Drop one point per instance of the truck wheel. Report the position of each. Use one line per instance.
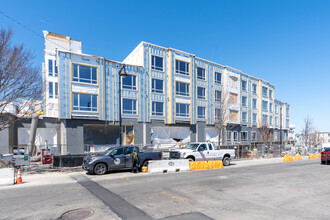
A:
(145, 163)
(191, 159)
(100, 169)
(322, 161)
(226, 161)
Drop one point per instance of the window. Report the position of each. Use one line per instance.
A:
(217, 113)
(276, 108)
(276, 121)
(270, 120)
(157, 85)
(84, 102)
(254, 88)
(156, 63)
(50, 67)
(264, 105)
(217, 95)
(182, 88)
(56, 70)
(200, 73)
(56, 90)
(118, 151)
(85, 74)
(264, 119)
(232, 98)
(229, 136)
(270, 94)
(254, 118)
(200, 93)
(51, 89)
(243, 135)
(254, 136)
(287, 111)
(235, 134)
(217, 78)
(244, 114)
(264, 91)
(275, 136)
(181, 67)
(129, 82)
(287, 123)
(244, 101)
(233, 115)
(271, 107)
(129, 106)
(200, 112)
(243, 85)
(210, 146)
(202, 147)
(254, 103)
(158, 108)
(182, 110)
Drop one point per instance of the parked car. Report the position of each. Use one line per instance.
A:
(117, 158)
(203, 151)
(325, 155)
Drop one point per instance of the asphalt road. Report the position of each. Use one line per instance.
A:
(295, 190)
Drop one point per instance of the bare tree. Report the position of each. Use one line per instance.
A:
(307, 132)
(20, 81)
(221, 117)
(316, 139)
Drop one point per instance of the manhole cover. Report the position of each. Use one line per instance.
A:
(77, 214)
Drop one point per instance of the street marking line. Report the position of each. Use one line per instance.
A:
(177, 198)
(128, 179)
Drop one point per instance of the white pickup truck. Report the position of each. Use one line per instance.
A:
(203, 151)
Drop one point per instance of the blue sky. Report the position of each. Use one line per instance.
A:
(284, 42)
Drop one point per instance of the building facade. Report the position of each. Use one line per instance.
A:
(167, 96)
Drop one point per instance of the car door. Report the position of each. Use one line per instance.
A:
(129, 154)
(203, 152)
(118, 158)
(211, 154)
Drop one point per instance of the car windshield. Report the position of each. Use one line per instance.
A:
(104, 153)
(191, 146)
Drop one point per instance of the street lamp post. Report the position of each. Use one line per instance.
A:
(121, 74)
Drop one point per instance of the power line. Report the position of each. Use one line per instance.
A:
(29, 29)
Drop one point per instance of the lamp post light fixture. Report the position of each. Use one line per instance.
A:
(121, 74)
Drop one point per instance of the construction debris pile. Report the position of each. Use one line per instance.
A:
(5, 164)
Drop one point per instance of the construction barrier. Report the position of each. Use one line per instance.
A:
(7, 176)
(167, 166)
(298, 157)
(205, 165)
(144, 169)
(288, 159)
(317, 156)
(311, 156)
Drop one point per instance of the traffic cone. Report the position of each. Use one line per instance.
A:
(19, 177)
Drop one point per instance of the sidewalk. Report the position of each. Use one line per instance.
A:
(253, 162)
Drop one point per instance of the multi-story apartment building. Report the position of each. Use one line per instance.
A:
(168, 95)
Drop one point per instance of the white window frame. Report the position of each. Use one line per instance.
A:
(201, 116)
(216, 79)
(178, 71)
(155, 113)
(133, 83)
(92, 109)
(154, 88)
(178, 92)
(77, 79)
(202, 96)
(179, 114)
(202, 77)
(154, 67)
(131, 111)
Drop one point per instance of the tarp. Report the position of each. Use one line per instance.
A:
(167, 136)
(42, 135)
(211, 135)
